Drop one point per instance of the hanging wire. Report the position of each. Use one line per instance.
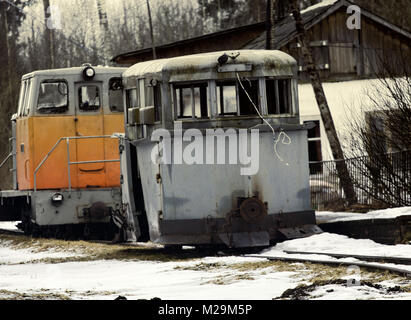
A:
(286, 140)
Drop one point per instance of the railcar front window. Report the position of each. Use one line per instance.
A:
(227, 99)
(192, 101)
(279, 96)
(89, 98)
(115, 95)
(53, 97)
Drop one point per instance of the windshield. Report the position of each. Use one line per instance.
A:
(53, 97)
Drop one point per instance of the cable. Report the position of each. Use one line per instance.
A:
(281, 134)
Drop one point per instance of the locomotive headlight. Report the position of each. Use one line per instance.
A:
(89, 73)
(57, 199)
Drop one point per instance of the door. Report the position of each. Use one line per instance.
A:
(89, 121)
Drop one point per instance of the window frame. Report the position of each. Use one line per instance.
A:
(277, 106)
(22, 98)
(121, 97)
(192, 86)
(100, 95)
(316, 139)
(67, 96)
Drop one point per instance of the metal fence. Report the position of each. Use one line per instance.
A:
(379, 180)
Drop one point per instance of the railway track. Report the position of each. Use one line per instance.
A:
(338, 262)
(365, 261)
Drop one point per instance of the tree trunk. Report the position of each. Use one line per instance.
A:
(271, 13)
(326, 117)
(104, 28)
(8, 49)
(151, 30)
(49, 37)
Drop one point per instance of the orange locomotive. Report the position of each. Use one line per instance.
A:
(66, 169)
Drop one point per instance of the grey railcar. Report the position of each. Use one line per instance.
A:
(192, 173)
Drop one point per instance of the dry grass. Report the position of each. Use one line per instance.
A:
(91, 251)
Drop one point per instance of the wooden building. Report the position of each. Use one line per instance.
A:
(339, 52)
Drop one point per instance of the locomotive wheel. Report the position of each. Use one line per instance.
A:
(253, 210)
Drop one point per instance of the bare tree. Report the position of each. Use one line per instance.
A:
(380, 136)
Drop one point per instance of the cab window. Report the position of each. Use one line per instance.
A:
(115, 95)
(279, 96)
(132, 98)
(234, 98)
(89, 98)
(192, 101)
(227, 99)
(53, 97)
(21, 98)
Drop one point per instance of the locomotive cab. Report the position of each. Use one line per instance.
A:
(66, 161)
(214, 142)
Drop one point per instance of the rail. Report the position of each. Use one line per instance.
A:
(383, 179)
(5, 160)
(69, 162)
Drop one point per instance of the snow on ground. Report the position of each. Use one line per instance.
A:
(10, 255)
(9, 225)
(328, 217)
(203, 278)
(334, 243)
(29, 271)
(140, 280)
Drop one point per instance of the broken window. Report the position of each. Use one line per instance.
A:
(279, 98)
(192, 101)
(115, 95)
(246, 106)
(89, 98)
(314, 148)
(53, 97)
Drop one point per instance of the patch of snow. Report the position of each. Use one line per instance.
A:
(9, 225)
(327, 217)
(9, 255)
(142, 280)
(324, 3)
(334, 243)
(341, 292)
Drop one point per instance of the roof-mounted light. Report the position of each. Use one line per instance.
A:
(88, 73)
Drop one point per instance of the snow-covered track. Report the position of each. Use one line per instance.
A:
(375, 266)
(12, 232)
(385, 259)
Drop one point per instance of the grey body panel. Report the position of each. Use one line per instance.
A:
(44, 213)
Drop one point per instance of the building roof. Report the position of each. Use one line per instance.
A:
(284, 33)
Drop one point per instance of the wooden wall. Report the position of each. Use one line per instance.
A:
(341, 53)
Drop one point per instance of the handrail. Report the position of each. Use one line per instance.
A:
(7, 158)
(69, 163)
